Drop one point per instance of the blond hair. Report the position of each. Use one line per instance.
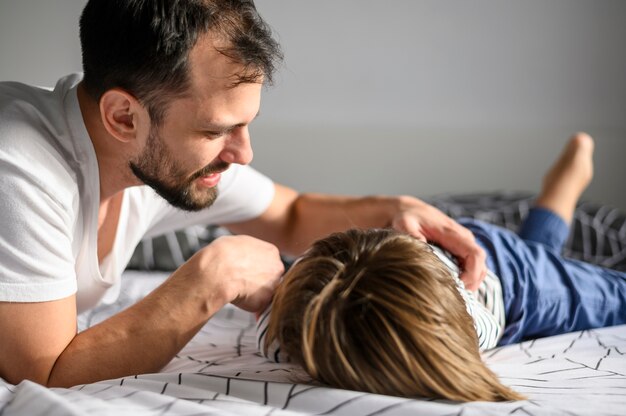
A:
(377, 311)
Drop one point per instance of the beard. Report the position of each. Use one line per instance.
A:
(156, 168)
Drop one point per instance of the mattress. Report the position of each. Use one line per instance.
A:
(221, 372)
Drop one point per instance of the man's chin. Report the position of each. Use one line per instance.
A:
(189, 200)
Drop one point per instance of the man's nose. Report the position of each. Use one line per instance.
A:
(238, 148)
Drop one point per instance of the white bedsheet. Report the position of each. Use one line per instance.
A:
(220, 372)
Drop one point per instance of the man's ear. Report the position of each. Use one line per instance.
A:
(121, 114)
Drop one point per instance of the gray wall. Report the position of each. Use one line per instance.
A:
(39, 40)
(419, 97)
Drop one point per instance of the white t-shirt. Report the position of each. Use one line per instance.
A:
(50, 187)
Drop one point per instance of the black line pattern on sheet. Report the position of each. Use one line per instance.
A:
(561, 370)
(203, 369)
(195, 360)
(239, 346)
(520, 409)
(164, 407)
(289, 396)
(8, 387)
(537, 380)
(342, 404)
(553, 377)
(131, 394)
(303, 390)
(272, 410)
(492, 353)
(386, 409)
(526, 347)
(595, 368)
(102, 390)
(582, 333)
(600, 376)
(536, 361)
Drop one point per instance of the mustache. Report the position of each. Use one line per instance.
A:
(210, 169)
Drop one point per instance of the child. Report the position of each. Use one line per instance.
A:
(380, 311)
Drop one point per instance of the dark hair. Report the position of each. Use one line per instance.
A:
(142, 46)
(377, 311)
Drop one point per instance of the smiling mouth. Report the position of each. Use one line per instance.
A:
(209, 181)
(209, 171)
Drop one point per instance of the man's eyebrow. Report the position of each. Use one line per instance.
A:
(225, 127)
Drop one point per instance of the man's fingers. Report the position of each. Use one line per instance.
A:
(474, 270)
(428, 223)
(460, 241)
(250, 269)
(408, 224)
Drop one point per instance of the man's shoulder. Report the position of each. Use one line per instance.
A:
(32, 151)
(35, 133)
(23, 105)
(27, 114)
(18, 100)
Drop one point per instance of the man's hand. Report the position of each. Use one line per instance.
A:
(427, 223)
(247, 270)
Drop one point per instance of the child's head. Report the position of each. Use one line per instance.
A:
(377, 311)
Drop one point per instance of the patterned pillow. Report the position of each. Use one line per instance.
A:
(168, 251)
(598, 233)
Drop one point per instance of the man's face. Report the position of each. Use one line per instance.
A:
(201, 133)
(157, 168)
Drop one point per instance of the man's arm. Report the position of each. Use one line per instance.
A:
(40, 342)
(293, 221)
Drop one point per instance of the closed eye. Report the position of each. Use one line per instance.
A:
(212, 135)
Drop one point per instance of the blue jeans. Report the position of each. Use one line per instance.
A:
(544, 293)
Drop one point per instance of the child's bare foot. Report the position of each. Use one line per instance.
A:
(568, 177)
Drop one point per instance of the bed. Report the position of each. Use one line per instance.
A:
(221, 372)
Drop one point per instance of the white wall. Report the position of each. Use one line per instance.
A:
(39, 40)
(416, 96)
(431, 96)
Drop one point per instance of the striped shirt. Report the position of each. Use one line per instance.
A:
(486, 307)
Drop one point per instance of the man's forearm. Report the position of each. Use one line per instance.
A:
(146, 336)
(294, 221)
(315, 215)
(140, 339)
